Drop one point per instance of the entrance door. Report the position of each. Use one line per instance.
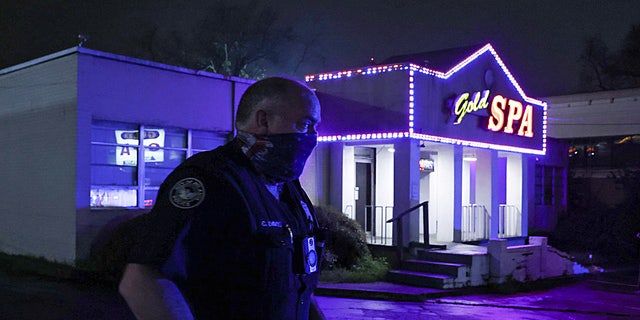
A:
(364, 199)
(365, 164)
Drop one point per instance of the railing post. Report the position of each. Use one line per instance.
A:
(425, 222)
(399, 241)
(398, 234)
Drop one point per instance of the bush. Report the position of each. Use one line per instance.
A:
(346, 243)
(369, 269)
(109, 253)
(346, 256)
(16, 264)
(606, 232)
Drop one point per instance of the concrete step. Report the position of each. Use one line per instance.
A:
(445, 256)
(421, 279)
(446, 268)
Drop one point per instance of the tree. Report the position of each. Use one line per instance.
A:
(239, 39)
(629, 64)
(596, 61)
(605, 70)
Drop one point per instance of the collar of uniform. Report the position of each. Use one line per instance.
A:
(237, 155)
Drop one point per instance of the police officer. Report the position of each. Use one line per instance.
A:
(232, 235)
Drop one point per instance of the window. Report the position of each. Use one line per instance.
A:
(127, 168)
(548, 185)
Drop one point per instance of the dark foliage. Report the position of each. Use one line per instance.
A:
(109, 255)
(606, 231)
(603, 69)
(346, 244)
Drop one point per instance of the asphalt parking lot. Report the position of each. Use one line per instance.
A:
(26, 297)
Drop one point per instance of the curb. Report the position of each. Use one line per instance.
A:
(395, 292)
(389, 291)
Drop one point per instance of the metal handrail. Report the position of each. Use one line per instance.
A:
(406, 212)
(398, 230)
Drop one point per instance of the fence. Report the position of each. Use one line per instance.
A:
(510, 221)
(476, 222)
(378, 232)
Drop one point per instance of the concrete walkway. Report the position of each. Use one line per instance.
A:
(33, 297)
(592, 296)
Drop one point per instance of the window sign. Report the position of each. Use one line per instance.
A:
(112, 197)
(128, 156)
(114, 160)
(426, 165)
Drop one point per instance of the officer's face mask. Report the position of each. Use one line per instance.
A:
(280, 157)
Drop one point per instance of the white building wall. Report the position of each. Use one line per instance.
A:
(515, 180)
(466, 182)
(311, 178)
(384, 188)
(348, 182)
(37, 164)
(441, 206)
(425, 191)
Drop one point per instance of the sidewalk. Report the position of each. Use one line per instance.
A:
(386, 291)
(609, 295)
(620, 280)
(600, 296)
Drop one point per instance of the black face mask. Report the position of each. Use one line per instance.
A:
(280, 157)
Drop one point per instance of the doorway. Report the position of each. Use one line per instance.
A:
(365, 188)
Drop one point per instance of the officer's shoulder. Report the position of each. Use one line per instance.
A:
(208, 160)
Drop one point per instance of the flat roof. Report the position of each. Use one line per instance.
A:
(117, 57)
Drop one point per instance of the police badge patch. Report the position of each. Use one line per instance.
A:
(187, 193)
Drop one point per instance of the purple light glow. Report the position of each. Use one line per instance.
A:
(364, 136)
(411, 99)
(412, 69)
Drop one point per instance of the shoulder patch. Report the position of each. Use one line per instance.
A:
(187, 193)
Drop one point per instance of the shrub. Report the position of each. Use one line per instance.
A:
(603, 231)
(369, 269)
(346, 243)
(345, 253)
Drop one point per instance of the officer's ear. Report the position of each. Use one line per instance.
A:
(261, 121)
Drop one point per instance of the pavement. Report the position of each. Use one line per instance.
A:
(609, 295)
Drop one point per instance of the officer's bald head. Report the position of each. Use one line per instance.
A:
(273, 96)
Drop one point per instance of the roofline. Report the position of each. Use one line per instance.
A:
(117, 57)
(39, 60)
(594, 96)
(428, 71)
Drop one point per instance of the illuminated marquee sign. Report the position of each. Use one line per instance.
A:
(463, 105)
(503, 112)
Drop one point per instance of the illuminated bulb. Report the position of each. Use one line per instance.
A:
(469, 157)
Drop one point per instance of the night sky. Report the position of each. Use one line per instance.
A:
(541, 41)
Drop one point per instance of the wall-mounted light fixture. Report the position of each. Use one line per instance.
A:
(469, 157)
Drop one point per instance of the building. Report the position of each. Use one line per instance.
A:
(451, 128)
(74, 158)
(602, 133)
(91, 135)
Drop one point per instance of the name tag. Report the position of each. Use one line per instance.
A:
(277, 224)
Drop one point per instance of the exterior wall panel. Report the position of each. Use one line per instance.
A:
(37, 166)
(132, 92)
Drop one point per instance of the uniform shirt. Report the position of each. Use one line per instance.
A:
(227, 242)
